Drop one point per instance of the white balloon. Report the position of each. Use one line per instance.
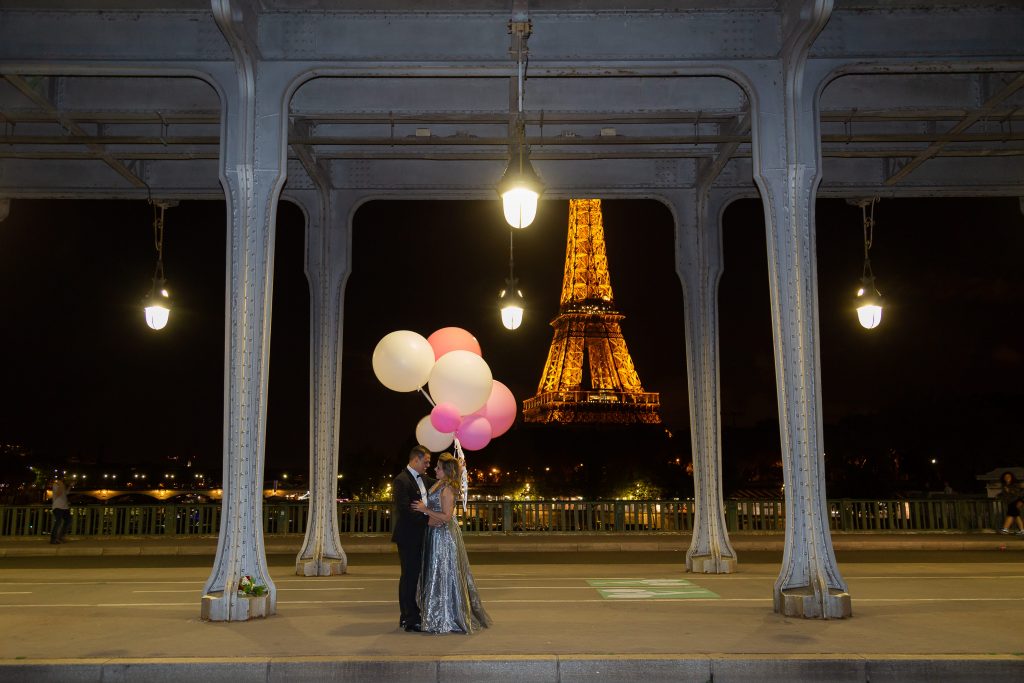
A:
(431, 438)
(462, 378)
(402, 360)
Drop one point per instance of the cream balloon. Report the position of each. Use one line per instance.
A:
(402, 360)
(431, 438)
(462, 378)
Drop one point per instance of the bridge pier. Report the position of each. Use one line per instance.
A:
(328, 239)
(699, 266)
(252, 169)
(787, 159)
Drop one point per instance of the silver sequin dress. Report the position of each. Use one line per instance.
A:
(449, 602)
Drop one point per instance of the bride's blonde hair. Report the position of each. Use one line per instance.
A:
(452, 471)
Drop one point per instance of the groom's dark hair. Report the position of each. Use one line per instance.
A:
(418, 452)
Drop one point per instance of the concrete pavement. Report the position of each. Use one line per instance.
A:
(565, 608)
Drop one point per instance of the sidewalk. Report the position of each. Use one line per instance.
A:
(354, 544)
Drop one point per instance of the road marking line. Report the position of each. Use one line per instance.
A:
(958, 578)
(516, 588)
(119, 604)
(622, 598)
(599, 601)
(936, 599)
(94, 583)
(731, 577)
(325, 588)
(482, 579)
(352, 588)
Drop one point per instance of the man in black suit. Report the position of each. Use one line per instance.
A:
(409, 486)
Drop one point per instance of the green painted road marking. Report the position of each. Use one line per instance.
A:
(649, 589)
(638, 582)
(655, 593)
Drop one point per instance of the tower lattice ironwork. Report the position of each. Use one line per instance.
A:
(588, 340)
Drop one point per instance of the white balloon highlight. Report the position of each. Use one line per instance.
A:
(402, 360)
(431, 438)
(461, 378)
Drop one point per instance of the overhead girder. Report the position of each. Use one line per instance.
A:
(854, 31)
(669, 96)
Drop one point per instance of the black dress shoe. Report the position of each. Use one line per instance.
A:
(413, 627)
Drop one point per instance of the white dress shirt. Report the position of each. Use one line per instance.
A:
(419, 482)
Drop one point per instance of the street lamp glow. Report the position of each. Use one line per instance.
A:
(519, 187)
(519, 202)
(158, 308)
(869, 299)
(869, 307)
(158, 301)
(511, 307)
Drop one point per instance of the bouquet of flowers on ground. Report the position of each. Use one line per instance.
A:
(246, 586)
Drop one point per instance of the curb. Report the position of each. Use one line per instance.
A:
(528, 668)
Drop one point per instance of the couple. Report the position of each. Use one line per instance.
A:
(436, 591)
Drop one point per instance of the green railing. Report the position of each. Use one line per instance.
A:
(964, 514)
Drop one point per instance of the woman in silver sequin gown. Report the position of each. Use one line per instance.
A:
(449, 602)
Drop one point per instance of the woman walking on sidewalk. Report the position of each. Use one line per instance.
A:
(61, 511)
(1010, 494)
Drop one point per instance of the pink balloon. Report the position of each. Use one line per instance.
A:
(445, 417)
(474, 433)
(453, 339)
(500, 409)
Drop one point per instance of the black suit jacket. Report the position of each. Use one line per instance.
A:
(408, 524)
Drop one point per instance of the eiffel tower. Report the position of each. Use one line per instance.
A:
(587, 327)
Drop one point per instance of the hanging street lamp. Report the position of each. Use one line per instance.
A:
(520, 187)
(157, 303)
(511, 298)
(869, 299)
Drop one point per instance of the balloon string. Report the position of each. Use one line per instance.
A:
(464, 479)
(427, 396)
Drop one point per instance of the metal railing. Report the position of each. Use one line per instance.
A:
(563, 516)
(597, 396)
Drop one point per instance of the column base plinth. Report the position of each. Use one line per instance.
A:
(322, 567)
(708, 564)
(804, 602)
(217, 607)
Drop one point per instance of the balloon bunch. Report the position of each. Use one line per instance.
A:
(470, 407)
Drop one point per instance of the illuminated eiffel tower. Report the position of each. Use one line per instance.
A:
(587, 328)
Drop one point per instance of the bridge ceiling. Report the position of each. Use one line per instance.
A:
(105, 98)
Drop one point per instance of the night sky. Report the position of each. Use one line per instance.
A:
(85, 378)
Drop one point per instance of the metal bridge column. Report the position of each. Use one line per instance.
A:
(699, 266)
(787, 159)
(328, 264)
(252, 171)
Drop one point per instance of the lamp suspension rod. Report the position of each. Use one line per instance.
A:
(867, 208)
(158, 239)
(521, 70)
(511, 273)
(520, 123)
